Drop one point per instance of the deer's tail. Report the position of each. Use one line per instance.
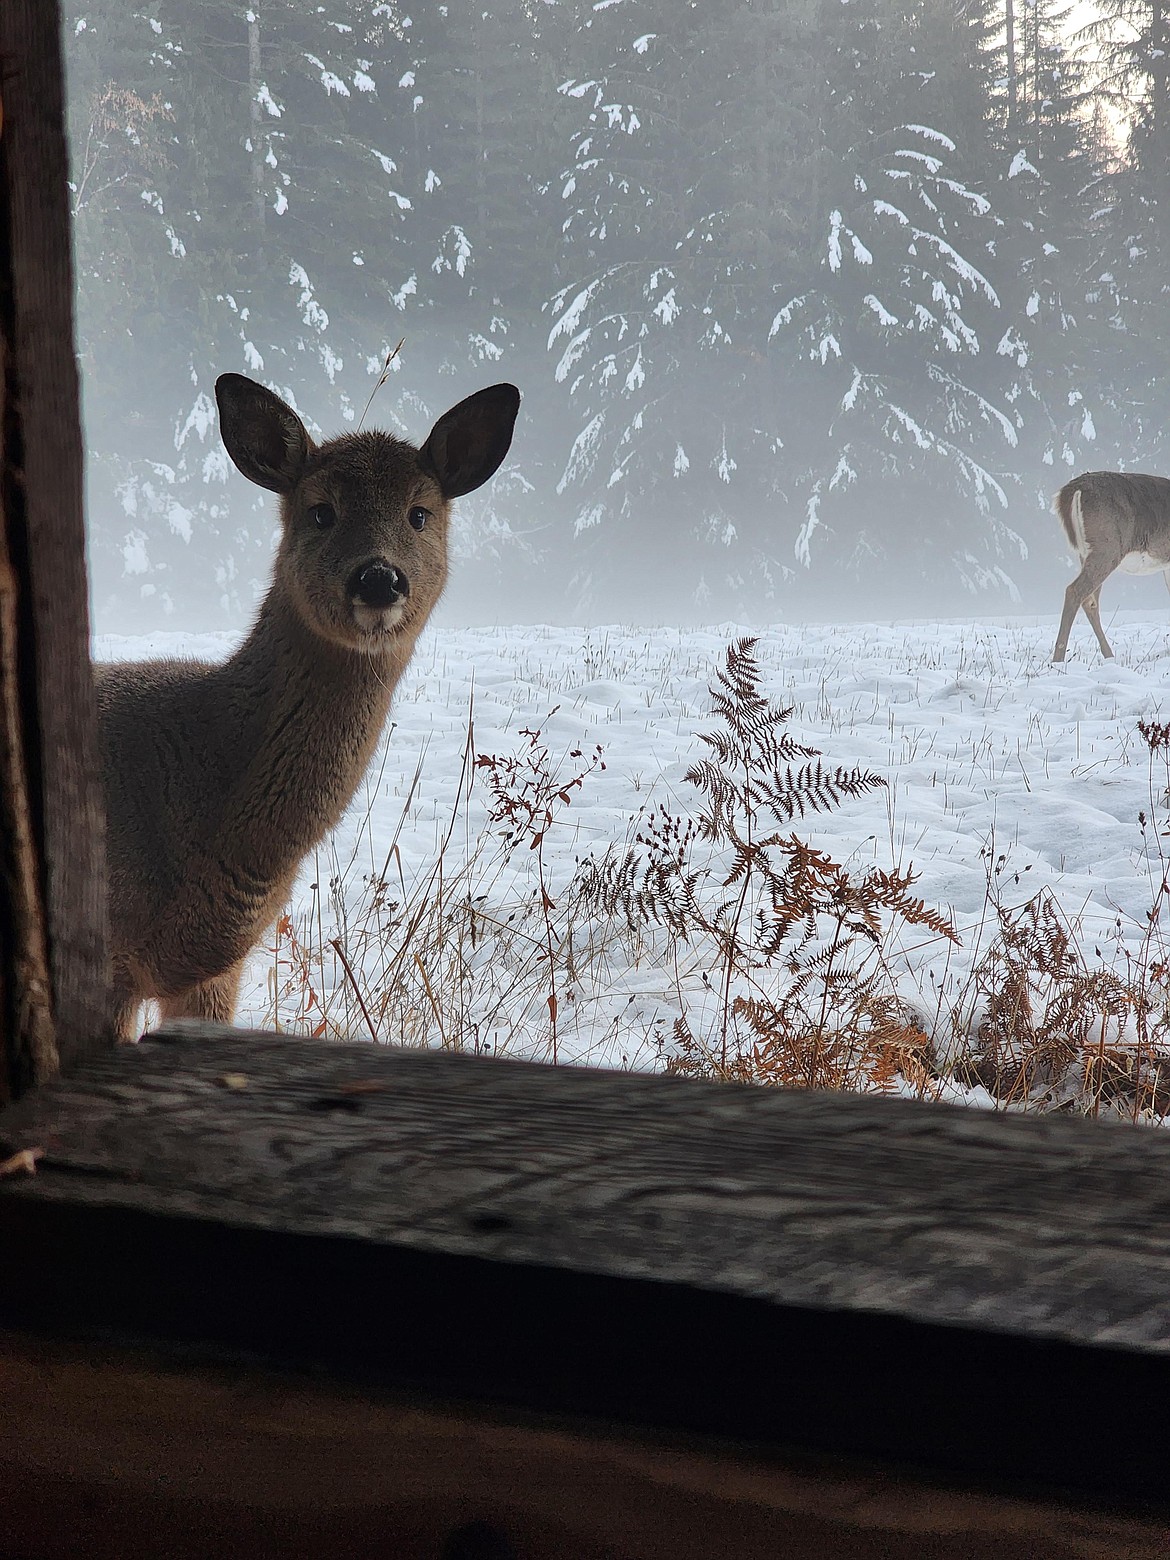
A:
(1068, 504)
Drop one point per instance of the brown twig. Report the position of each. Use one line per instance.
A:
(335, 944)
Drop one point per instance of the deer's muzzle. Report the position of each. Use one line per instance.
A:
(378, 584)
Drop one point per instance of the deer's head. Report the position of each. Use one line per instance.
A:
(363, 555)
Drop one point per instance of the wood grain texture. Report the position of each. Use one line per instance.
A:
(966, 1291)
(29, 1050)
(125, 1456)
(1056, 1227)
(44, 526)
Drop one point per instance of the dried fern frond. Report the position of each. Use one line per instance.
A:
(794, 937)
(643, 889)
(750, 768)
(889, 891)
(1053, 1031)
(813, 788)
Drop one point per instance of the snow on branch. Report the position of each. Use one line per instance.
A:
(329, 80)
(569, 320)
(933, 135)
(314, 315)
(583, 455)
(784, 315)
(879, 308)
(1020, 164)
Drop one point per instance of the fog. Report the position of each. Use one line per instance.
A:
(813, 305)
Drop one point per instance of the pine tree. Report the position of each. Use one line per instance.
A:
(794, 290)
(239, 210)
(1050, 162)
(1130, 285)
(827, 263)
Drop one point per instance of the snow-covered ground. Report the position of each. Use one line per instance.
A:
(998, 765)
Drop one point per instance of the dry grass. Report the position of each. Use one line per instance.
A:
(718, 944)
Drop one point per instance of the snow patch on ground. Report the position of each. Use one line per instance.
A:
(997, 762)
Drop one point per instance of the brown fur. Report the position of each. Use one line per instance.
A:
(1125, 521)
(219, 779)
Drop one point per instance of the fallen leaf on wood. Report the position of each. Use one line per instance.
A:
(233, 1081)
(23, 1162)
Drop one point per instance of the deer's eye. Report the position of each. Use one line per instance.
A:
(418, 516)
(322, 516)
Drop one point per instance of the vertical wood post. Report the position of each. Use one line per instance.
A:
(53, 950)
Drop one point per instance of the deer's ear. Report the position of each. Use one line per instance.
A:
(264, 436)
(467, 444)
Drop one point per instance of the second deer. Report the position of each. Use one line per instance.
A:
(1113, 520)
(220, 778)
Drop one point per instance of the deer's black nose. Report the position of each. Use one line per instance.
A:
(378, 584)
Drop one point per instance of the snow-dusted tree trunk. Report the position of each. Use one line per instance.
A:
(256, 116)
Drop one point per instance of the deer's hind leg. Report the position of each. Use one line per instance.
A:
(1091, 606)
(1083, 592)
(213, 999)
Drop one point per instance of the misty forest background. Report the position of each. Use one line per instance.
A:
(813, 303)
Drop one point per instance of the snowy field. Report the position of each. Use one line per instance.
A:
(1005, 775)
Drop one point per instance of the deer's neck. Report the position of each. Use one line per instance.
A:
(304, 717)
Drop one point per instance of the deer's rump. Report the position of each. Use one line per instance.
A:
(1135, 503)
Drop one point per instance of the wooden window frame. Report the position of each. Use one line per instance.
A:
(299, 1295)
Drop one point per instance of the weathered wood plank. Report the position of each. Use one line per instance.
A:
(56, 914)
(969, 1291)
(1058, 1227)
(125, 1456)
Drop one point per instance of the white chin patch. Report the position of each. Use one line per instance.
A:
(377, 622)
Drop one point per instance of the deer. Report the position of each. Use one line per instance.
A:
(1113, 520)
(219, 779)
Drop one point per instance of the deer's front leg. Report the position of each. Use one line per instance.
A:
(125, 1008)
